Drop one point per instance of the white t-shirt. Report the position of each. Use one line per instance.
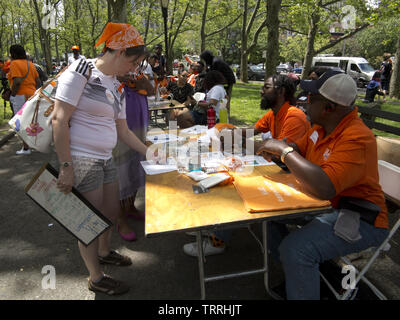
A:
(147, 69)
(217, 93)
(99, 101)
(72, 59)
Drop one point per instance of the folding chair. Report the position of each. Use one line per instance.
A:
(389, 177)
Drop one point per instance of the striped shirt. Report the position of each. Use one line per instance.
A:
(99, 101)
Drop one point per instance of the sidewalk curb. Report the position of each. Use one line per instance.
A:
(7, 137)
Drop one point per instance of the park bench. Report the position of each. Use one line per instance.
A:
(369, 113)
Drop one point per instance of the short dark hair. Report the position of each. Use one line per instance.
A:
(17, 52)
(213, 78)
(207, 56)
(283, 81)
(153, 56)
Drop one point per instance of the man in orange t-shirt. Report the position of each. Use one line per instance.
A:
(337, 161)
(24, 80)
(283, 120)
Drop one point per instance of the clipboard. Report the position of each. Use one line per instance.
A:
(72, 211)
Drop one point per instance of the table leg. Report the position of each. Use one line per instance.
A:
(200, 259)
(266, 266)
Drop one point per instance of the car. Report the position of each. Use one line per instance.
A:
(253, 72)
(261, 65)
(283, 68)
(298, 70)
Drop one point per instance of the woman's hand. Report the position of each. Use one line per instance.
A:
(65, 179)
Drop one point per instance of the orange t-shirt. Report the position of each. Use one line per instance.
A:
(18, 69)
(349, 157)
(290, 123)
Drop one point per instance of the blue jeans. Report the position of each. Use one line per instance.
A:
(302, 250)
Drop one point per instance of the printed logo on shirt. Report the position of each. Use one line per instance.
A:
(84, 66)
(97, 80)
(314, 137)
(327, 153)
(110, 96)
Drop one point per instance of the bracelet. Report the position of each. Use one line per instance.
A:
(285, 152)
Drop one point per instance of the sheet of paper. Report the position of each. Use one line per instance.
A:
(197, 129)
(68, 209)
(151, 168)
(163, 138)
(254, 160)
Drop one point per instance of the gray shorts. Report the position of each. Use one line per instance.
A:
(90, 174)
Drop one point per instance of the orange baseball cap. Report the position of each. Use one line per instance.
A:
(120, 36)
(75, 48)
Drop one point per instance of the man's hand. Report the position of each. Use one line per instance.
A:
(270, 148)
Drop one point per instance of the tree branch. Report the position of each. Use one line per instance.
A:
(179, 26)
(253, 17)
(256, 34)
(333, 43)
(223, 28)
(291, 30)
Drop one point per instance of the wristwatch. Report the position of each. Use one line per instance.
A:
(66, 164)
(285, 153)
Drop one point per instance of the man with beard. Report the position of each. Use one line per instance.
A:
(283, 121)
(335, 160)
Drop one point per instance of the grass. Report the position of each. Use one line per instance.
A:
(8, 113)
(245, 107)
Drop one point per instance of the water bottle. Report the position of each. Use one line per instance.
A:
(223, 112)
(211, 117)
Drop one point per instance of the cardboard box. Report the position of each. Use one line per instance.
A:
(389, 149)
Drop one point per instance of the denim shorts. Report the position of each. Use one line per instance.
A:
(90, 174)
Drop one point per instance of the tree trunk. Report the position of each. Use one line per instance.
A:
(272, 58)
(203, 27)
(118, 11)
(394, 91)
(44, 39)
(148, 21)
(37, 58)
(310, 44)
(243, 47)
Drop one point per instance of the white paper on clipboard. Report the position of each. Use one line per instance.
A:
(71, 210)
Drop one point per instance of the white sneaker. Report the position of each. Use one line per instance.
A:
(208, 249)
(23, 151)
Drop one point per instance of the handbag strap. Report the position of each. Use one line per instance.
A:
(27, 62)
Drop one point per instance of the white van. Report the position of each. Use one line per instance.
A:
(358, 68)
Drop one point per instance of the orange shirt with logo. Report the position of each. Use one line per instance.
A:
(349, 157)
(18, 69)
(290, 122)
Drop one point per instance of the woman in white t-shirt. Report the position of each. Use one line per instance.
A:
(89, 116)
(214, 85)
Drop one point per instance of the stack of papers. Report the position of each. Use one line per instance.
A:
(151, 167)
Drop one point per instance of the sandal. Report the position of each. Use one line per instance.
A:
(108, 285)
(116, 259)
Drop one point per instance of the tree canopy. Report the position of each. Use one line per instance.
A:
(237, 30)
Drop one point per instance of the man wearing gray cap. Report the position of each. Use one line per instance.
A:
(337, 161)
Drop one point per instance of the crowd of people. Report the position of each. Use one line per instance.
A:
(100, 122)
